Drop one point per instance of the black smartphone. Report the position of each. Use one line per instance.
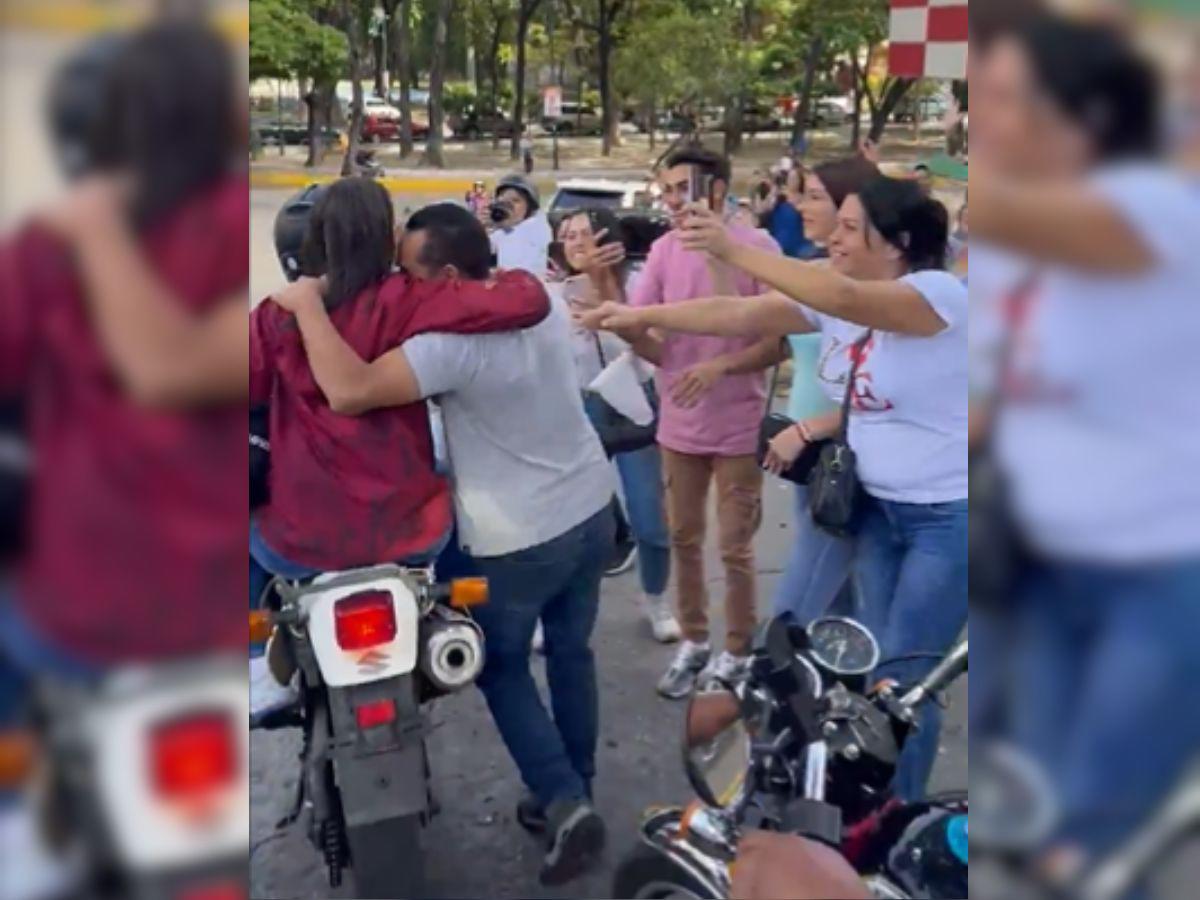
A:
(700, 186)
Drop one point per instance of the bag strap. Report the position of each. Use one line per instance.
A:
(600, 350)
(775, 372)
(844, 426)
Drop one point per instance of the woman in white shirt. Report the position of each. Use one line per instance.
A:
(886, 287)
(593, 254)
(1096, 423)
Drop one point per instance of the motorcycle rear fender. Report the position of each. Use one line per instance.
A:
(342, 668)
(381, 772)
(660, 830)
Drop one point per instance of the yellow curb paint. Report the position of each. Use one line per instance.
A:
(296, 180)
(88, 18)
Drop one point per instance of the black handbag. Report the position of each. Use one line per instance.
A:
(834, 491)
(774, 423)
(618, 433)
(995, 553)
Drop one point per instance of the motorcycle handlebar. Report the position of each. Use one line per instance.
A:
(943, 674)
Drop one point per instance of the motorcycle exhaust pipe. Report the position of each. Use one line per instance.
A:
(452, 652)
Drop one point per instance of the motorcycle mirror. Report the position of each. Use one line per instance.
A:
(716, 747)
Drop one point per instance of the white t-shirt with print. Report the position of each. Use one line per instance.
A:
(1100, 436)
(908, 417)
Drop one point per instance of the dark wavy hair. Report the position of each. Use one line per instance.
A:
(1098, 81)
(167, 115)
(915, 224)
(350, 238)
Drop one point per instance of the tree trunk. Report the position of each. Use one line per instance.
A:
(380, 66)
(734, 124)
(310, 106)
(804, 104)
(652, 121)
(524, 15)
(494, 73)
(605, 48)
(401, 23)
(437, 80)
(354, 39)
(894, 91)
(856, 125)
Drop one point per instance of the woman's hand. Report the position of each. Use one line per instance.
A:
(696, 382)
(301, 294)
(783, 450)
(616, 317)
(703, 231)
(598, 260)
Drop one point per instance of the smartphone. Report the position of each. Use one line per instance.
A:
(700, 187)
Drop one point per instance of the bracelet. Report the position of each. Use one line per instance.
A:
(803, 430)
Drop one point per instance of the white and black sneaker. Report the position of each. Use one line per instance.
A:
(724, 670)
(680, 678)
(576, 841)
(623, 559)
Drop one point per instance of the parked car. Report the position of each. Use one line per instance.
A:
(273, 132)
(475, 124)
(642, 227)
(757, 117)
(575, 119)
(930, 109)
(578, 193)
(830, 111)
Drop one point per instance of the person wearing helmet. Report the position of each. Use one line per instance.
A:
(520, 231)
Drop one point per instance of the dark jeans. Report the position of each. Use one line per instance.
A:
(910, 576)
(558, 582)
(1105, 684)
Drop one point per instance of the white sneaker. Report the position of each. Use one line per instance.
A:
(33, 870)
(539, 638)
(725, 668)
(266, 694)
(662, 621)
(680, 677)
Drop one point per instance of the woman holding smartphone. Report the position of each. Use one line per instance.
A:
(591, 252)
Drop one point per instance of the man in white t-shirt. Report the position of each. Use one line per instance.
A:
(532, 492)
(520, 232)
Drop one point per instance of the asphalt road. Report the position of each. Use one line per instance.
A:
(475, 848)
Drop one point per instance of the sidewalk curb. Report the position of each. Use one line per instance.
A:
(442, 186)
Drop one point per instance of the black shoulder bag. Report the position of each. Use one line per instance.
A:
(773, 424)
(834, 492)
(619, 434)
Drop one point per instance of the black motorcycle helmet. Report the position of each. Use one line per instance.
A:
(75, 101)
(291, 225)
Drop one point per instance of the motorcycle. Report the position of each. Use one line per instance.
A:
(146, 780)
(369, 648)
(802, 746)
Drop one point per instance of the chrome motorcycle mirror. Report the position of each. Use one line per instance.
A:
(716, 747)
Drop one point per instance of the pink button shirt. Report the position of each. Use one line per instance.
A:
(725, 421)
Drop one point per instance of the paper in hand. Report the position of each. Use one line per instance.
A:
(621, 387)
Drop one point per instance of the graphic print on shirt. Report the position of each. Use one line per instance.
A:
(1023, 379)
(835, 365)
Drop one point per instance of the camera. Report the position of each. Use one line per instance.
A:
(500, 211)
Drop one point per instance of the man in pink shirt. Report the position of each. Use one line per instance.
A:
(713, 399)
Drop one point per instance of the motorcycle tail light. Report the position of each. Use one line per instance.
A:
(364, 620)
(192, 756)
(376, 713)
(230, 890)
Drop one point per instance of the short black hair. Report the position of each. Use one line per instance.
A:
(351, 238)
(1099, 81)
(911, 221)
(991, 20)
(706, 161)
(453, 237)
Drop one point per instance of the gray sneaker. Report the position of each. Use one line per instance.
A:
(725, 669)
(576, 840)
(680, 678)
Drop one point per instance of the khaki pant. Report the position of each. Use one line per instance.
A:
(739, 513)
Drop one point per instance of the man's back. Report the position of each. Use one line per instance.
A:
(527, 463)
(350, 491)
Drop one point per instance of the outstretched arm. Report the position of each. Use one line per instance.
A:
(886, 305)
(771, 315)
(351, 385)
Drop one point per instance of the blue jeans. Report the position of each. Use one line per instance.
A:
(642, 484)
(816, 569)
(558, 582)
(1104, 693)
(910, 576)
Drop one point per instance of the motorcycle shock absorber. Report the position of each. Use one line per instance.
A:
(333, 848)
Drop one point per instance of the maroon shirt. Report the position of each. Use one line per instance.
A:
(350, 491)
(137, 529)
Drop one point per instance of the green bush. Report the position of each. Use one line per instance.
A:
(458, 97)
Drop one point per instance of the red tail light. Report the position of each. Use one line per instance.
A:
(231, 890)
(364, 620)
(192, 756)
(376, 713)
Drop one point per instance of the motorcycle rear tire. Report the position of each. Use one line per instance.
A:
(386, 858)
(646, 873)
